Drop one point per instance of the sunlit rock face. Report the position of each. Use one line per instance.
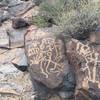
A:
(86, 60)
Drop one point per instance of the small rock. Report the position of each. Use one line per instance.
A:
(16, 56)
(16, 37)
(21, 61)
(19, 23)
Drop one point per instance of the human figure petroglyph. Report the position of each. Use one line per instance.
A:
(91, 61)
(44, 53)
(52, 45)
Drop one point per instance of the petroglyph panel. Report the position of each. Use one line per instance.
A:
(91, 68)
(46, 52)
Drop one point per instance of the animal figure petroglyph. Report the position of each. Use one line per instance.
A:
(46, 53)
(91, 61)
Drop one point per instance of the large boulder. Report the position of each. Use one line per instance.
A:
(46, 57)
(86, 60)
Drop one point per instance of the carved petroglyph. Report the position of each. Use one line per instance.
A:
(91, 61)
(47, 53)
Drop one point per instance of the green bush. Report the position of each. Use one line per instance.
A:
(75, 17)
(39, 21)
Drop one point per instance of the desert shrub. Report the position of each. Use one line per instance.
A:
(39, 21)
(75, 17)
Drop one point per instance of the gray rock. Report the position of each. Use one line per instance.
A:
(16, 56)
(20, 8)
(3, 3)
(4, 15)
(22, 61)
(4, 38)
(14, 84)
(16, 37)
(13, 2)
